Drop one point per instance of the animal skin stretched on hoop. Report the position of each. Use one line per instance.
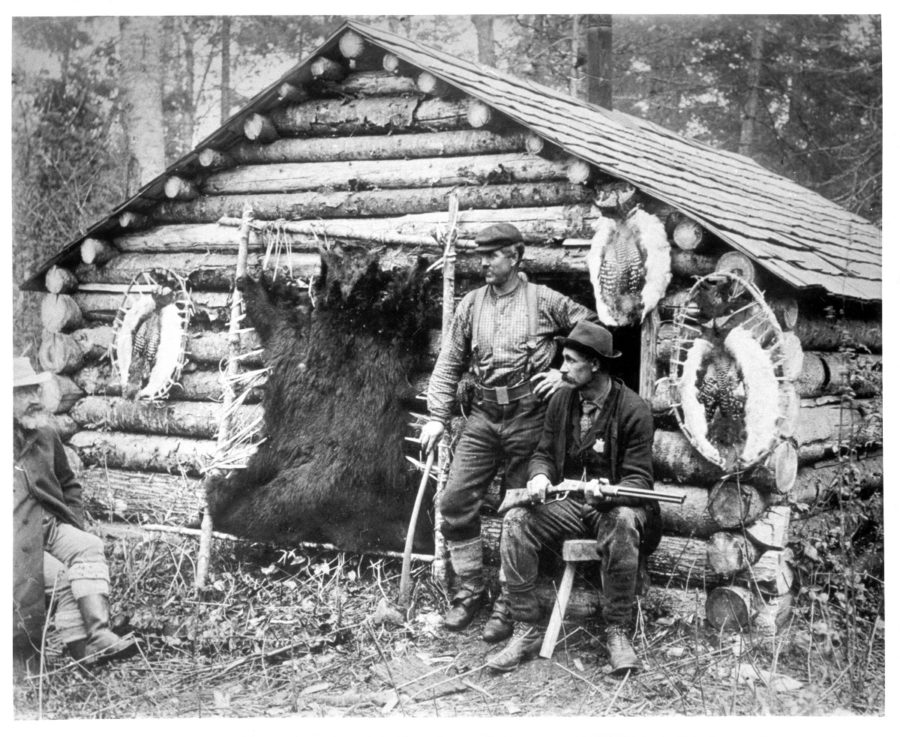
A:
(754, 344)
(137, 304)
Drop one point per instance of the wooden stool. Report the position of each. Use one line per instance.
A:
(573, 552)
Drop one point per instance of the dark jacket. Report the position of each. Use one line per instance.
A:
(624, 424)
(42, 480)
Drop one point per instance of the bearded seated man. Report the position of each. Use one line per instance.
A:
(53, 555)
(595, 427)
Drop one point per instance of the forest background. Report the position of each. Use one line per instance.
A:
(100, 105)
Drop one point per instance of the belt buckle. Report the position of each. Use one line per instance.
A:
(502, 395)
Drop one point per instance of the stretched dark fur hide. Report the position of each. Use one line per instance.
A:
(333, 467)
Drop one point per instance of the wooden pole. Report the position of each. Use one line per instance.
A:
(411, 534)
(231, 370)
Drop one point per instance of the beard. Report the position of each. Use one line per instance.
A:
(33, 419)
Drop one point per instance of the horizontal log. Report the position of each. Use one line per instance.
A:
(178, 188)
(58, 280)
(60, 353)
(369, 115)
(194, 386)
(60, 313)
(96, 251)
(102, 306)
(64, 425)
(189, 419)
(95, 341)
(818, 333)
(357, 148)
(733, 505)
(690, 519)
(329, 205)
(445, 171)
(853, 425)
(143, 452)
(141, 497)
(327, 69)
(260, 128)
(819, 481)
(838, 371)
(537, 225)
(59, 394)
(132, 220)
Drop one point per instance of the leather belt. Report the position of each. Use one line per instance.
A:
(504, 395)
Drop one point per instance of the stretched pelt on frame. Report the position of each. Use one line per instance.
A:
(333, 468)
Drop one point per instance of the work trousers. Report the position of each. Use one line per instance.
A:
(496, 436)
(74, 567)
(619, 532)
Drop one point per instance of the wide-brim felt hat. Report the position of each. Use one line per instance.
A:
(25, 375)
(496, 236)
(592, 339)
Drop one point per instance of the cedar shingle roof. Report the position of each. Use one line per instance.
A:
(789, 230)
(794, 233)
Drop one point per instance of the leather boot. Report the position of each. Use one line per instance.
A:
(622, 656)
(499, 625)
(525, 643)
(102, 643)
(77, 649)
(463, 607)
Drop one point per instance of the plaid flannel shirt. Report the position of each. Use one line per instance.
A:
(501, 338)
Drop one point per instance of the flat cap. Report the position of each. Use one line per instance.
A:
(496, 236)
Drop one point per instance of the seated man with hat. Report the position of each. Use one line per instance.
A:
(595, 427)
(52, 553)
(504, 333)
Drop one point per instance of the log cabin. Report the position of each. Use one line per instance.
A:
(367, 142)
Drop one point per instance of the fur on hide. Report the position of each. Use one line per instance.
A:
(333, 468)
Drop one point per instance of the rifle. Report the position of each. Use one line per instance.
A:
(593, 489)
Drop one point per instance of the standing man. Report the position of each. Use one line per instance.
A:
(52, 553)
(595, 428)
(504, 332)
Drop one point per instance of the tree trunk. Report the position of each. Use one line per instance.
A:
(599, 60)
(328, 205)
(443, 171)
(143, 452)
(751, 105)
(225, 76)
(484, 33)
(189, 419)
(141, 87)
(141, 497)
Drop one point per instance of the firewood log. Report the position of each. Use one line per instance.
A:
(143, 452)
(260, 128)
(60, 281)
(60, 313)
(189, 419)
(729, 607)
(95, 251)
(141, 497)
(771, 575)
(328, 205)
(59, 394)
(777, 473)
(733, 505)
(393, 174)
(728, 553)
(369, 115)
(59, 353)
(770, 531)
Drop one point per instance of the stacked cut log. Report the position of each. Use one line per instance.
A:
(368, 158)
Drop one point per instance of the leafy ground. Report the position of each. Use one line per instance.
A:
(287, 633)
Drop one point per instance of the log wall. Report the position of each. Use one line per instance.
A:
(373, 162)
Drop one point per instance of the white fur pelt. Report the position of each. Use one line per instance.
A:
(693, 411)
(630, 267)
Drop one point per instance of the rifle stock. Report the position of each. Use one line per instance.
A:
(594, 489)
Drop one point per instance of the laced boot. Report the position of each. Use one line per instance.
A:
(525, 644)
(622, 656)
(463, 607)
(102, 643)
(499, 625)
